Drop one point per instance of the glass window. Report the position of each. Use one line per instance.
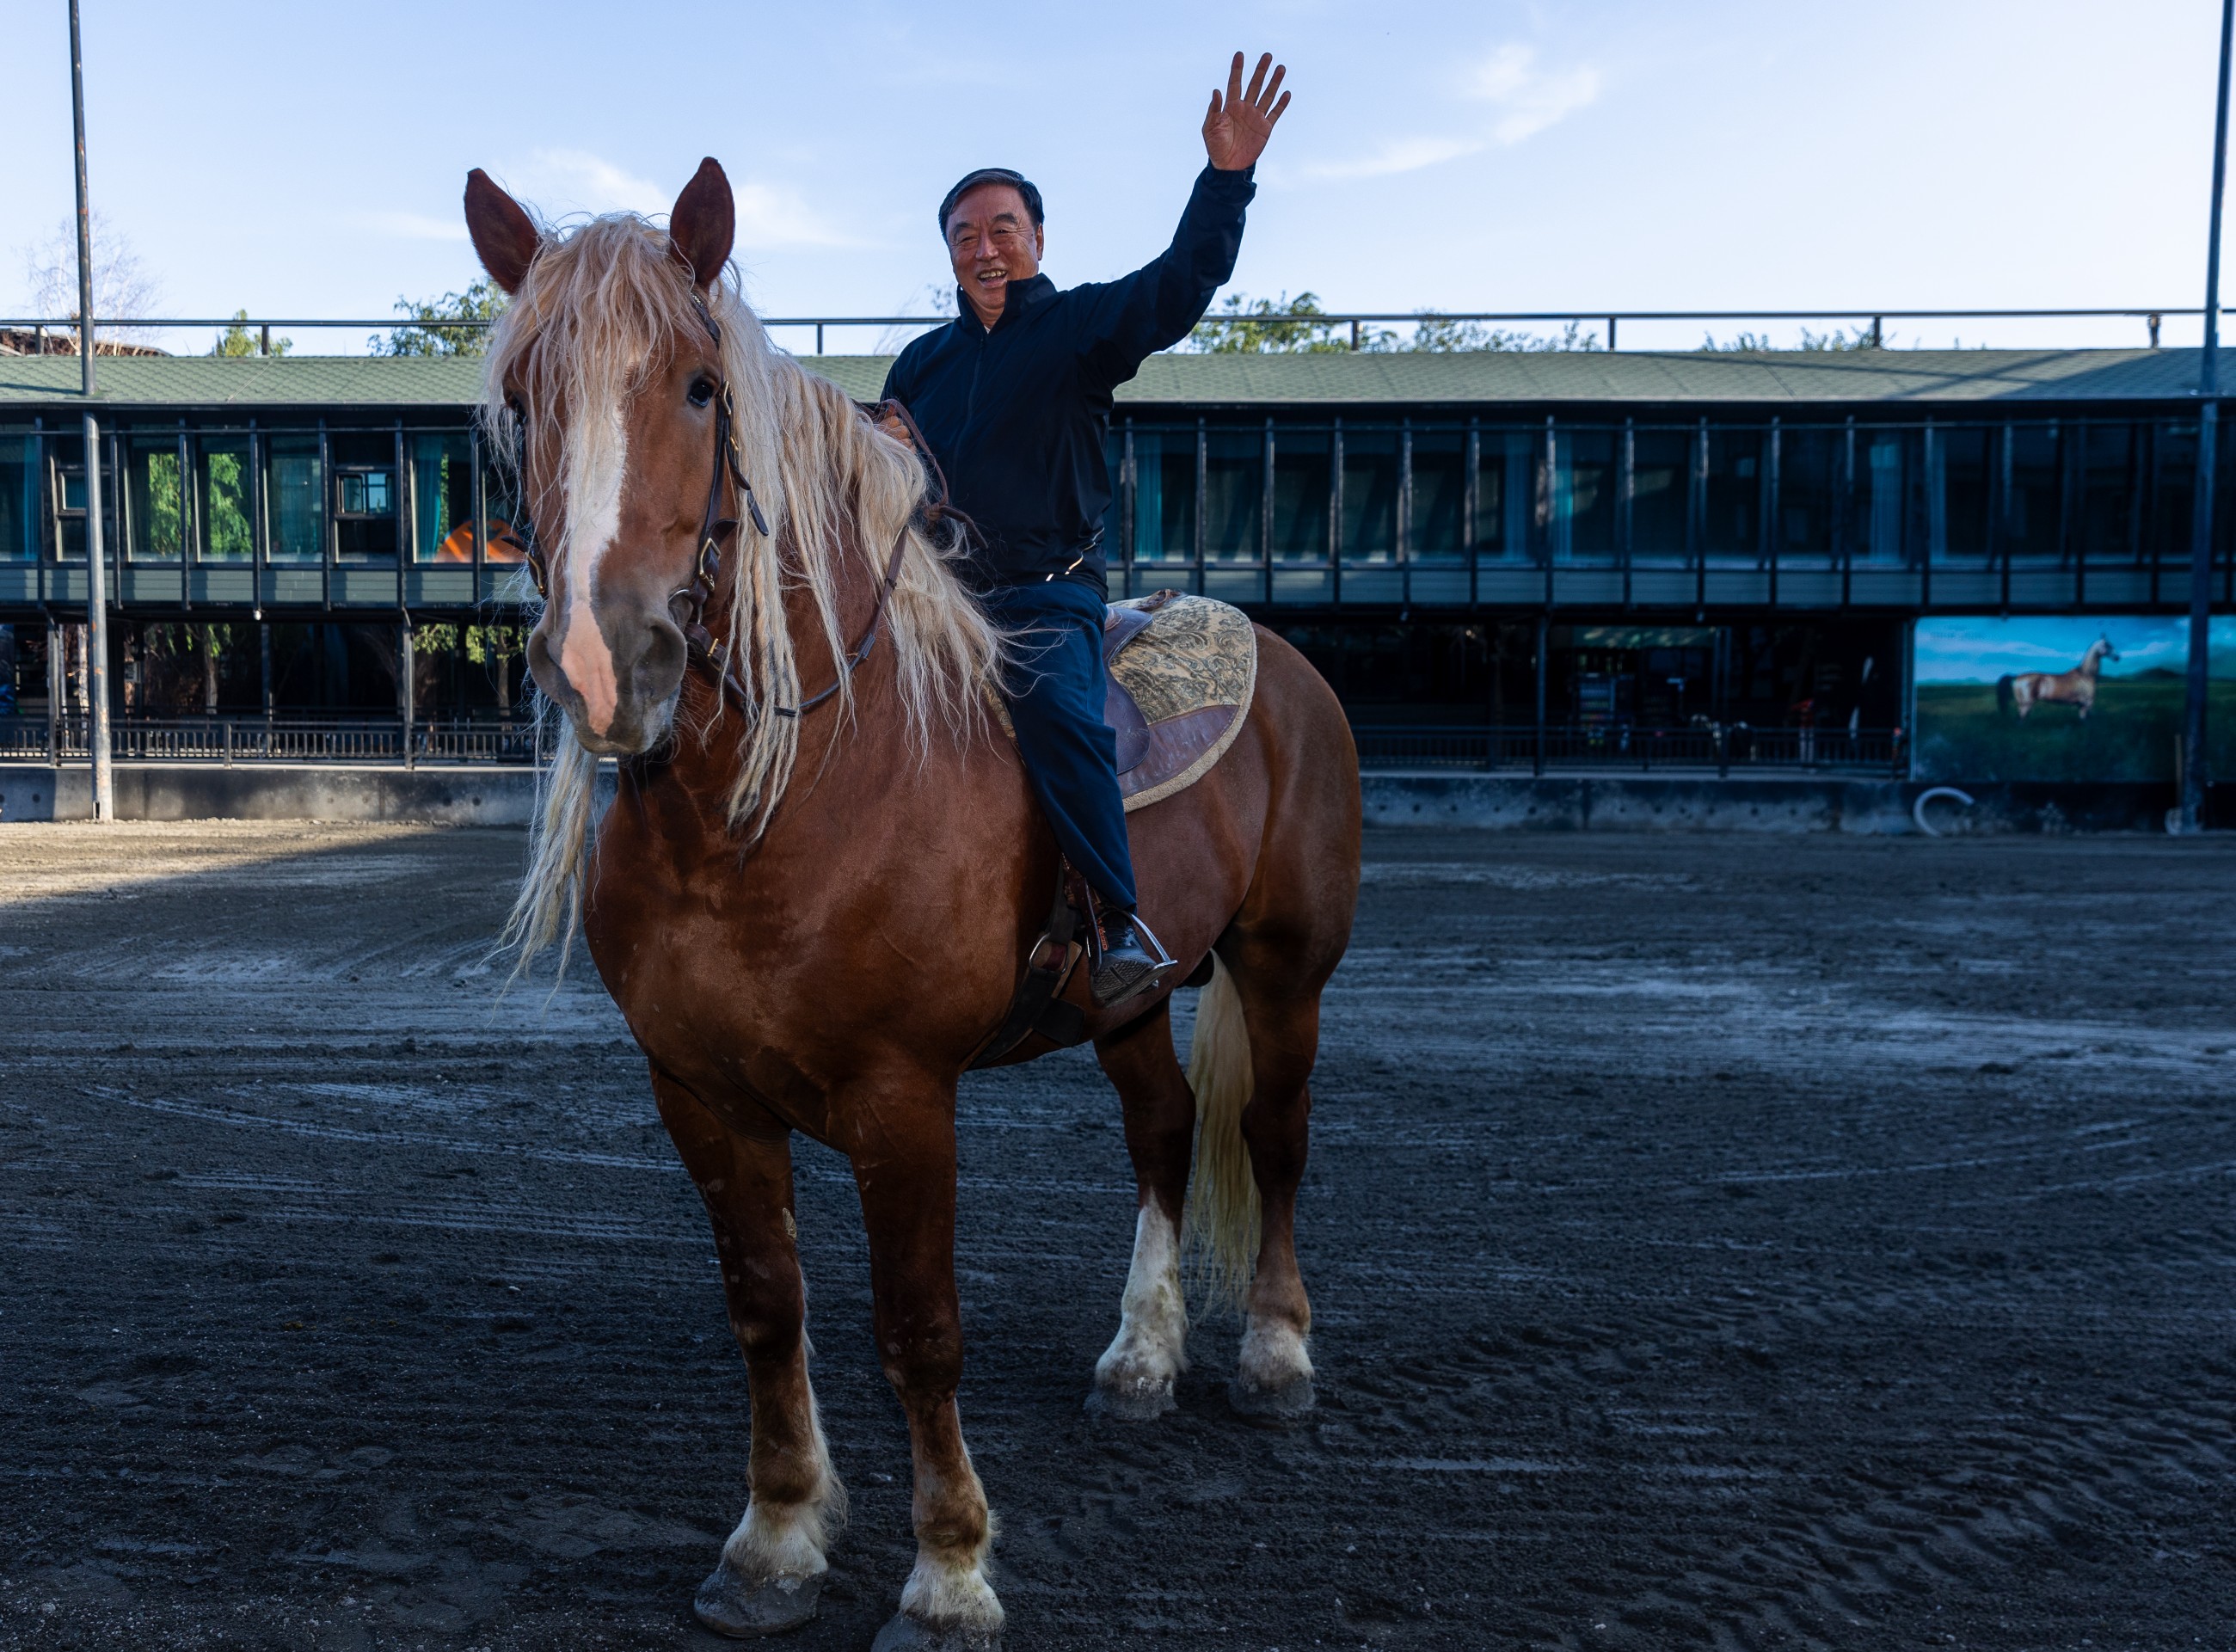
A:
(228, 533)
(505, 528)
(1439, 494)
(1113, 542)
(1370, 495)
(1585, 494)
(364, 496)
(1506, 493)
(1881, 507)
(294, 489)
(1661, 494)
(1234, 494)
(2032, 506)
(157, 499)
(2173, 507)
(1734, 500)
(19, 499)
(1164, 495)
(2107, 492)
(442, 497)
(66, 457)
(1966, 491)
(1808, 495)
(1301, 474)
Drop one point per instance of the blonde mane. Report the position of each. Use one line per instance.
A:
(599, 309)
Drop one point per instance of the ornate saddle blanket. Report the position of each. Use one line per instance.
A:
(1181, 672)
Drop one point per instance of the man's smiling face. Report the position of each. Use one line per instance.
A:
(992, 240)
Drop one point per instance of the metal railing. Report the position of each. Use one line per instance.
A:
(1355, 320)
(291, 738)
(1701, 748)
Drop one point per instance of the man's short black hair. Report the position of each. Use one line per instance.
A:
(990, 174)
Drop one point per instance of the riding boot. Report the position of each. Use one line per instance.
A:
(1133, 960)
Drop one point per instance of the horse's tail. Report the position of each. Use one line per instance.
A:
(1221, 1228)
(2003, 692)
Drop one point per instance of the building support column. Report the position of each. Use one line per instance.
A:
(2195, 778)
(406, 675)
(57, 688)
(1545, 630)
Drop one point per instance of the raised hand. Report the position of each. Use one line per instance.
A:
(1235, 130)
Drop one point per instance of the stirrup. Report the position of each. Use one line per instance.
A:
(1125, 974)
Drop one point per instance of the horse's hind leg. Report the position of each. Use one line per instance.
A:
(1273, 1373)
(771, 1573)
(1133, 1380)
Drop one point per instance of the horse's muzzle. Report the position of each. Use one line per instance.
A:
(646, 677)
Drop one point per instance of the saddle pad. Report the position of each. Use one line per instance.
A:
(1189, 673)
(1180, 670)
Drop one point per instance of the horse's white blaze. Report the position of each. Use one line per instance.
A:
(596, 469)
(1272, 1357)
(1151, 1346)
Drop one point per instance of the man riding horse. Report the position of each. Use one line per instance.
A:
(1014, 398)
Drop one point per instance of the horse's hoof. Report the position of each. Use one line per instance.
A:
(728, 1604)
(1142, 1401)
(1291, 1399)
(905, 1634)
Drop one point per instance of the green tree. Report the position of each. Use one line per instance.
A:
(428, 335)
(1272, 327)
(1859, 339)
(1299, 325)
(239, 341)
(1441, 334)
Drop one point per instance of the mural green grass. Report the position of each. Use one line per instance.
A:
(2130, 734)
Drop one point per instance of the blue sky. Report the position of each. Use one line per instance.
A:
(1980, 650)
(308, 159)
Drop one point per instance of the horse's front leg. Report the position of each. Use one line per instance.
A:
(771, 1573)
(904, 1169)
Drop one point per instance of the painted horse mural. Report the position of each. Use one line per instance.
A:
(2021, 693)
(814, 894)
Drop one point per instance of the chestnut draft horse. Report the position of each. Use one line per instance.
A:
(815, 892)
(2076, 688)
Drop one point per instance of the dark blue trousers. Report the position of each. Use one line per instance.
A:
(1055, 692)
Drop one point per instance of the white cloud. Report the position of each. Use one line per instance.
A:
(413, 226)
(1398, 155)
(1529, 100)
(557, 182)
(1526, 100)
(769, 216)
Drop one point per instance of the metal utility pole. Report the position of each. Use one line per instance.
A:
(2193, 775)
(96, 594)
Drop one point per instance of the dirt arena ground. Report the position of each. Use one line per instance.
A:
(1715, 1242)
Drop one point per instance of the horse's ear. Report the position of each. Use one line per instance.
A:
(504, 235)
(703, 223)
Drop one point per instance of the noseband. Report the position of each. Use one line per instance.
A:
(714, 529)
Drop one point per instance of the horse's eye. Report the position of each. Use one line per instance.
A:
(701, 390)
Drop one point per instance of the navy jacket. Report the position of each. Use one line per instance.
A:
(1018, 417)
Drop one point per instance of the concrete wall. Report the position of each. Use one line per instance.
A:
(1556, 803)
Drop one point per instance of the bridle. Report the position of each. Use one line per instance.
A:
(715, 529)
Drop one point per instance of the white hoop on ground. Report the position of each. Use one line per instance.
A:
(1917, 809)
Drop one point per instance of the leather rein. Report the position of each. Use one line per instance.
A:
(714, 529)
